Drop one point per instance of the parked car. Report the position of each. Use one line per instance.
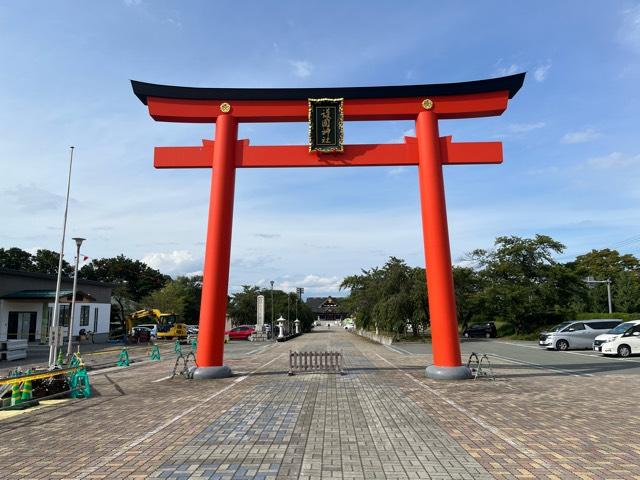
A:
(192, 329)
(243, 332)
(486, 330)
(626, 344)
(152, 327)
(576, 334)
(349, 327)
(616, 332)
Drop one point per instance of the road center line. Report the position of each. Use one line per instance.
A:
(88, 471)
(495, 431)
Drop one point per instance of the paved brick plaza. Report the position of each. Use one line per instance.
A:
(382, 419)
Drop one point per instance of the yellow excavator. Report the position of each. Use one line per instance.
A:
(167, 323)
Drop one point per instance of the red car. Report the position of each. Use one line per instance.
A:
(243, 332)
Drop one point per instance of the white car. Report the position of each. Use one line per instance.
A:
(625, 345)
(613, 334)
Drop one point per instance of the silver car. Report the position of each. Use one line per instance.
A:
(576, 334)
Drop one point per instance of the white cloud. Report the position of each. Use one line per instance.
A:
(301, 68)
(581, 136)
(540, 73)
(615, 160)
(313, 282)
(177, 261)
(525, 127)
(629, 33)
(504, 70)
(397, 171)
(132, 3)
(31, 198)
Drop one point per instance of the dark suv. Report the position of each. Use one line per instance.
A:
(486, 330)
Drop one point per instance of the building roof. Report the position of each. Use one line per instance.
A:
(45, 276)
(41, 294)
(512, 83)
(322, 304)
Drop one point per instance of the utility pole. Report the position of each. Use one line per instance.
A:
(591, 281)
(54, 337)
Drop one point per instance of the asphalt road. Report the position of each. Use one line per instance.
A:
(530, 355)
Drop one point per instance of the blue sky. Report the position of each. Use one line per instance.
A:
(571, 136)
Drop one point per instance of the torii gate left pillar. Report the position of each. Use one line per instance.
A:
(428, 151)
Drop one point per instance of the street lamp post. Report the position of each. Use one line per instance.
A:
(73, 297)
(299, 292)
(272, 317)
(53, 329)
(288, 317)
(590, 281)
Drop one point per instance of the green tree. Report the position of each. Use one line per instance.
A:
(132, 281)
(607, 264)
(468, 284)
(523, 284)
(46, 261)
(136, 277)
(388, 297)
(16, 259)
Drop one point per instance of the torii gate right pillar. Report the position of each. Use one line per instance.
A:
(442, 305)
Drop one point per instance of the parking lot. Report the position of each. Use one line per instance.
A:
(514, 353)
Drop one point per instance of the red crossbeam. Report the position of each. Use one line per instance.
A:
(446, 107)
(268, 156)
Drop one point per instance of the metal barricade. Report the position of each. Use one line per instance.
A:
(480, 366)
(315, 362)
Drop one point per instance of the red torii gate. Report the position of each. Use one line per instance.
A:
(425, 104)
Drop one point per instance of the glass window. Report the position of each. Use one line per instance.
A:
(65, 314)
(96, 315)
(84, 316)
(575, 327)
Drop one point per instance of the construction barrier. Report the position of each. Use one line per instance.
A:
(155, 353)
(123, 359)
(177, 348)
(194, 345)
(79, 384)
(60, 358)
(15, 394)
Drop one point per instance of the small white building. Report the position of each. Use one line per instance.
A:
(27, 301)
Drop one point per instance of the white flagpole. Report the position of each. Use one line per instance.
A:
(53, 330)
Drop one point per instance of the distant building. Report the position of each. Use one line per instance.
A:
(27, 300)
(327, 309)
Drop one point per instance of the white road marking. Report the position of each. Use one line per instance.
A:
(261, 349)
(514, 443)
(591, 354)
(398, 350)
(161, 379)
(542, 367)
(88, 471)
(537, 347)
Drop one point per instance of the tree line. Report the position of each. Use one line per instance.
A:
(517, 283)
(137, 286)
